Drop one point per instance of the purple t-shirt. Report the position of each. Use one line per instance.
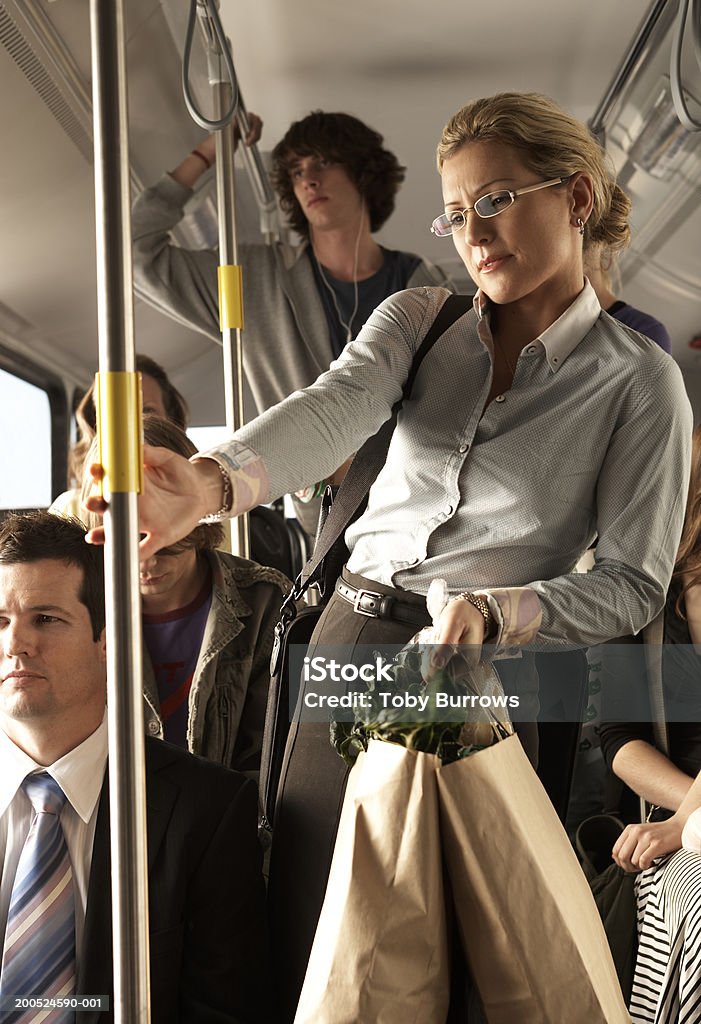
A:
(173, 641)
(642, 323)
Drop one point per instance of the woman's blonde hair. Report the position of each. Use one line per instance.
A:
(553, 144)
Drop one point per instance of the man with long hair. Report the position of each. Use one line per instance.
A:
(208, 621)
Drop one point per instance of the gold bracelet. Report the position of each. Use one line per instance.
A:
(483, 608)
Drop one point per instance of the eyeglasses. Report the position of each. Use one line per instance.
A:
(487, 206)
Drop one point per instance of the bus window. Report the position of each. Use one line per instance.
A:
(207, 437)
(25, 454)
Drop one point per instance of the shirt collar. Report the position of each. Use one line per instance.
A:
(79, 773)
(561, 338)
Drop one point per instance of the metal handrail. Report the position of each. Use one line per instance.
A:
(217, 43)
(232, 344)
(227, 97)
(223, 72)
(127, 778)
(259, 179)
(631, 60)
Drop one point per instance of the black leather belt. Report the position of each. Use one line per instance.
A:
(382, 606)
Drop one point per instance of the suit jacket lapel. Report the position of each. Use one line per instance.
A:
(95, 969)
(160, 798)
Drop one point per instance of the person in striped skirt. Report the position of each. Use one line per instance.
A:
(666, 850)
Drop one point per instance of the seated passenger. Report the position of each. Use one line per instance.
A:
(303, 302)
(598, 266)
(536, 423)
(208, 621)
(160, 398)
(205, 885)
(667, 985)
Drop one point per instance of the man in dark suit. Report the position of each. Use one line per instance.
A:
(204, 871)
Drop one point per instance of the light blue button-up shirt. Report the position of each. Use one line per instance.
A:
(592, 438)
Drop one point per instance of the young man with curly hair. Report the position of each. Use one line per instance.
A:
(303, 301)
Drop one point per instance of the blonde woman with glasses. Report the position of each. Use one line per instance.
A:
(536, 423)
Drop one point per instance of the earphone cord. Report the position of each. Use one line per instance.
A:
(347, 327)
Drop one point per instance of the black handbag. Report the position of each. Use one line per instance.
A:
(613, 890)
(277, 719)
(323, 568)
(614, 894)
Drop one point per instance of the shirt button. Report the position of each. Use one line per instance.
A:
(499, 398)
(464, 448)
(153, 728)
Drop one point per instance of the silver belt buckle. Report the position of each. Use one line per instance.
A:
(359, 595)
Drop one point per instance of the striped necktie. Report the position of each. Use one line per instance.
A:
(39, 952)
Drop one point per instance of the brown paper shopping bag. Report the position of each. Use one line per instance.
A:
(530, 928)
(379, 954)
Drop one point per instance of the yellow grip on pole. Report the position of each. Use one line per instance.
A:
(230, 296)
(120, 430)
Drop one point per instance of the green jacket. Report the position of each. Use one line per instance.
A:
(230, 685)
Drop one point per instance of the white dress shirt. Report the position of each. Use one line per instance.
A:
(80, 774)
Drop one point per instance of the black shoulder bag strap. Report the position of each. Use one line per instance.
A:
(364, 468)
(368, 462)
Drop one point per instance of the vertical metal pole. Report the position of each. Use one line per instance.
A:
(258, 177)
(124, 669)
(231, 337)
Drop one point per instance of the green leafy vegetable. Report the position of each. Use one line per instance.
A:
(431, 734)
